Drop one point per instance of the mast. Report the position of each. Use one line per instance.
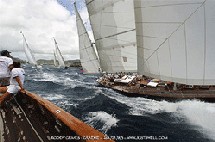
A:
(88, 57)
(29, 54)
(176, 40)
(115, 36)
(58, 54)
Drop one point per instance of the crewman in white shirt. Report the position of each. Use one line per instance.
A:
(16, 83)
(6, 64)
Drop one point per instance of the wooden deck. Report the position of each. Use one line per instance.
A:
(160, 93)
(29, 118)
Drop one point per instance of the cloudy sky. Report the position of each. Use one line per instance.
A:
(40, 21)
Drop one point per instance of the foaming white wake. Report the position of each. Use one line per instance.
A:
(107, 120)
(196, 112)
(53, 96)
(62, 79)
(200, 114)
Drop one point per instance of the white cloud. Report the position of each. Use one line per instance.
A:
(40, 21)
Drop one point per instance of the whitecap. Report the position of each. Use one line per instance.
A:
(195, 112)
(108, 120)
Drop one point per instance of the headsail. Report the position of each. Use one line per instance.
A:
(176, 40)
(88, 57)
(58, 55)
(113, 26)
(55, 60)
(30, 57)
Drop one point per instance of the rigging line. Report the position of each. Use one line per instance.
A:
(89, 2)
(144, 36)
(84, 33)
(155, 22)
(112, 12)
(124, 44)
(126, 41)
(118, 26)
(176, 29)
(145, 48)
(109, 4)
(179, 4)
(118, 56)
(29, 122)
(116, 34)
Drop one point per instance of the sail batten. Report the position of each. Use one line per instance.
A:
(88, 57)
(113, 26)
(177, 46)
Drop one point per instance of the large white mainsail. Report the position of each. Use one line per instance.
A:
(30, 57)
(176, 40)
(88, 57)
(58, 55)
(113, 26)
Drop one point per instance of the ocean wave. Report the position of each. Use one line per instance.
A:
(195, 112)
(101, 120)
(52, 97)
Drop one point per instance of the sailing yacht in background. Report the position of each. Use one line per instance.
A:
(175, 56)
(88, 57)
(30, 57)
(58, 56)
(113, 26)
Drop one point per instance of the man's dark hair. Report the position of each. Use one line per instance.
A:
(5, 53)
(16, 64)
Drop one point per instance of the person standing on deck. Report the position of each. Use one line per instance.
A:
(16, 83)
(6, 64)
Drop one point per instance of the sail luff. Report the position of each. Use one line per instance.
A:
(113, 26)
(177, 46)
(30, 57)
(58, 54)
(88, 57)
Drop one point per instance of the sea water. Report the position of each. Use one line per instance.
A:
(122, 118)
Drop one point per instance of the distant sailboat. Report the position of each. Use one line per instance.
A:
(30, 57)
(58, 55)
(113, 26)
(88, 57)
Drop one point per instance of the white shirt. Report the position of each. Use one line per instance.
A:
(5, 62)
(17, 72)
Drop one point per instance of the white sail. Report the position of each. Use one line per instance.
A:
(30, 57)
(176, 40)
(55, 60)
(58, 55)
(88, 57)
(113, 26)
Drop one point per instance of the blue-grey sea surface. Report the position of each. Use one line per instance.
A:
(122, 118)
